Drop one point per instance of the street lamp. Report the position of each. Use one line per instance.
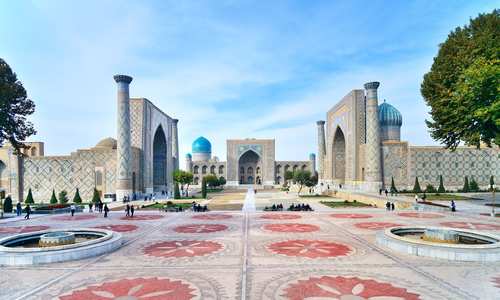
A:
(493, 189)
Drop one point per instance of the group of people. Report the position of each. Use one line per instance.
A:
(300, 207)
(99, 207)
(274, 207)
(129, 210)
(199, 208)
(386, 192)
(390, 205)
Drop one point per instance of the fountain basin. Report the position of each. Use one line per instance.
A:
(24, 248)
(442, 243)
(58, 238)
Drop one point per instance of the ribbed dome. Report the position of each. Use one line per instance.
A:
(201, 145)
(188, 155)
(389, 115)
(107, 143)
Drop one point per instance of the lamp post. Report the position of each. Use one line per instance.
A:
(493, 189)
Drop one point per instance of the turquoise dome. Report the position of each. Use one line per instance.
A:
(201, 145)
(389, 115)
(188, 155)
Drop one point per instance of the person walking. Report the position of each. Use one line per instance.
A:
(72, 209)
(127, 210)
(393, 206)
(19, 209)
(132, 209)
(100, 206)
(416, 198)
(453, 207)
(386, 192)
(28, 212)
(388, 205)
(90, 206)
(106, 210)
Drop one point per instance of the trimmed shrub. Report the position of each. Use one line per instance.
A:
(393, 186)
(63, 197)
(492, 182)
(204, 188)
(416, 186)
(77, 199)
(177, 192)
(441, 188)
(466, 187)
(29, 198)
(53, 199)
(430, 189)
(96, 197)
(7, 204)
(473, 186)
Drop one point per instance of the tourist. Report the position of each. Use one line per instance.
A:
(106, 210)
(72, 208)
(132, 209)
(393, 206)
(100, 206)
(28, 212)
(127, 210)
(90, 206)
(388, 205)
(19, 209)
(386, 193)
(416, 198)
(380, 192)
(453, 207)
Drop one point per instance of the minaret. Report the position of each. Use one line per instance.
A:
(189, 163)
(321, 149)
(312, 159)
(175, 144)
(373, 171)
(124, 150)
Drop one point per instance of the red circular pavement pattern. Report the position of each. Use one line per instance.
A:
(351, 216)
(22, 229)
(496, 281)
(280, 217)
(153, 288)
(376, 225)
(339, 287)
(200, 228)
(471, 225)
(142, 218)
(309, 248)
(420, 215)
(212, 217)
(74, 218)
(290, 227)
(182, 248)
(119, 227)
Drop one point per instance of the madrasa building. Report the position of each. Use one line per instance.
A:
(249, 162)
(360, 148)
(140, 161)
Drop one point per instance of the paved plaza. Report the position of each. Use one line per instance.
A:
(327, 254)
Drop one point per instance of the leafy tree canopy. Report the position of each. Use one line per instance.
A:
(14, 109)
(463, 85)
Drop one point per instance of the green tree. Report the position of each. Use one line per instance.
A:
(77, 199)
(203, 188)
(29, 198)
(63, 197)
(211, 180)
(222, 181)
(430, 189)
(96, 197)
(393, 186)
(441, 188)
(301, 177)
(288, 177)
(462, 87)
(416, 186)
(473, 186)
(177, 192)
(7, 204)
(14, 108)
(183, 178)
(53, 199)
(466, 187)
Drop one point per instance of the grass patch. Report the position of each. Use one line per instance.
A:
(315, 196)
(156, 206)
(442, 197)
(215, 190)
(337, 204)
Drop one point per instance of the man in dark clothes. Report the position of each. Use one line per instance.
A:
(392, 206)
(127, 210)
(28, 212)
(132, 209)
(106, 210)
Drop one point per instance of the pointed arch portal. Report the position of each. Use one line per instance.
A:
(159, 160)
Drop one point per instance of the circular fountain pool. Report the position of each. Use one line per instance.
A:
(50, 246)
(444, 243)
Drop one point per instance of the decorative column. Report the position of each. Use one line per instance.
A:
(175, 144)
(321, 149)
(124, 149)
(312, 159)
(373, 169)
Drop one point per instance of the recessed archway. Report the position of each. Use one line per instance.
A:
(159, 160)
(338, 154)
(247, 164)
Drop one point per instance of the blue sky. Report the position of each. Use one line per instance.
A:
(226, 69)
